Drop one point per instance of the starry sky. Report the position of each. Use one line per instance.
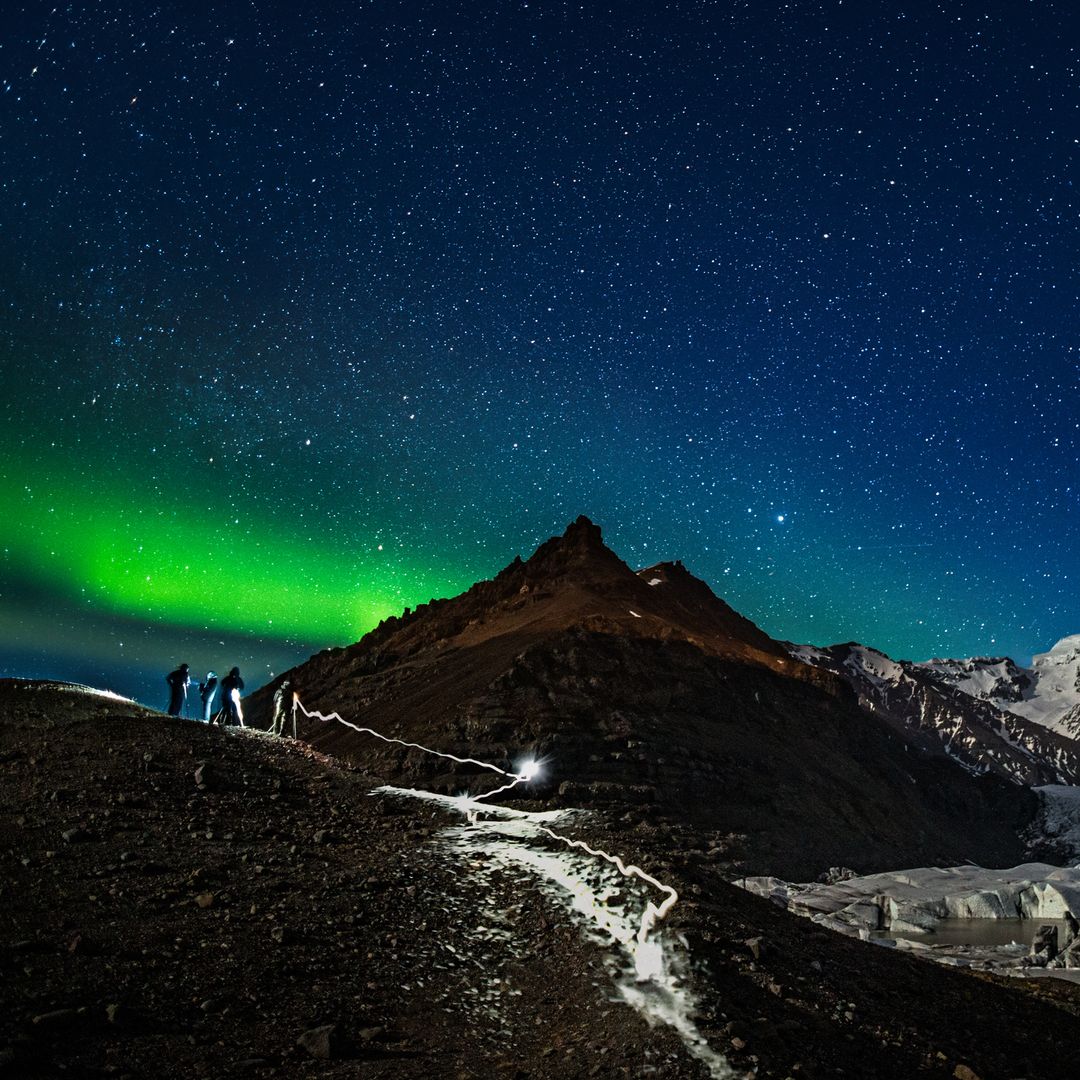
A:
(309, 312)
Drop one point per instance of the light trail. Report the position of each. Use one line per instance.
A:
(528, 771)
(657, 993)
(653, 914)
(655, 985)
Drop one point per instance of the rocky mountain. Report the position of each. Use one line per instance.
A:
(182, 901)
(933, 711)
(646, 693)
(1047, 693)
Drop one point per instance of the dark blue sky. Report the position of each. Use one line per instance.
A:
(309, 312)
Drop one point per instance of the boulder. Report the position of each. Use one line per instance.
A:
(1070, 958)
(321, 1042)
(1045, 943)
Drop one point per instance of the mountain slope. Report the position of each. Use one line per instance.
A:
(224, 893)
(648, 689)
(1047, 693)
(934, 714)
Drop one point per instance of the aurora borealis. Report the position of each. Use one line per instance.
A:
(312, 312)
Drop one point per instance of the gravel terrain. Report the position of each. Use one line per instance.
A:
(184, 901)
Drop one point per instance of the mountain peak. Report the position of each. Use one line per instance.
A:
(583, 533)
(1070, 644)
(581, 547)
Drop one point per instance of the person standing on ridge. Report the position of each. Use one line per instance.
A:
(178, 681)
(207, 690)
(284, 703)
(231, 686)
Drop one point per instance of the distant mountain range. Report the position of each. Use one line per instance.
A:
(648, 696)
(988, 715)
(1047, 693)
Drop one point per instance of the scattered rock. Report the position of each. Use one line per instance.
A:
(321, 1042)
(756, 945)
(1046, 942)
(75, 836)
(962, 1072)
(367, 916)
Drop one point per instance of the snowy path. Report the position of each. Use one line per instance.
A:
(649, 974)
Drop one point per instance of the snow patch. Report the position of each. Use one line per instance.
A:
(76, 688)
(874, 666)
(808, 654)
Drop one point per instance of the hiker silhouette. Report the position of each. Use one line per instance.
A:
(231, 686)
(178, 681)
(207, 691)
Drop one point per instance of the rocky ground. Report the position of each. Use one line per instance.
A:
(181, 901)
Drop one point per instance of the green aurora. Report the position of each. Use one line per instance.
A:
(163, 561)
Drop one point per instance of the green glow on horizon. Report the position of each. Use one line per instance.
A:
(171, 564)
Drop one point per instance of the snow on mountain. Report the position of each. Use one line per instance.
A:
(934, 712)
(1047, 693)
(996, 679)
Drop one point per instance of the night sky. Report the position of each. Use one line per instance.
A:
(309, 312)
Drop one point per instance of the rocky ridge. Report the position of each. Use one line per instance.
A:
(645, 691)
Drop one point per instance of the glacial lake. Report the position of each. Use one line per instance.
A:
(984, 932)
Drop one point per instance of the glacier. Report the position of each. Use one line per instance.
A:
(917, 901)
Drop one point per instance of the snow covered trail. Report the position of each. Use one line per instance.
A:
(649, 967)
(592, 882)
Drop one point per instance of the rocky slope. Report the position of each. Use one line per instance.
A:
(649, 693)
(1047, 693)
(935, 714)
(181, 901)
